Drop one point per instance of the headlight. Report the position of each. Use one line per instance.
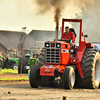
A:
(71, 51)
(47, 44)
(74, 60)
(58, 45)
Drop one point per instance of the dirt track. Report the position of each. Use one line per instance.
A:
(13, 75)
(19, 90)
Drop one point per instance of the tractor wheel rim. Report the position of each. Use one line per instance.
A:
(72, 78)
(15, 67)
(97, 69)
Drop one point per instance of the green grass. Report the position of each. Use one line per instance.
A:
(12, 79)
(9, 71)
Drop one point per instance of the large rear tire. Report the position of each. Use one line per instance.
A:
(34, 78)
(24, 64)
(41, 61)
(19, 65)
(91, 67)
(69, 77)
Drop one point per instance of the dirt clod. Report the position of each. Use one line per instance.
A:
(9, 92)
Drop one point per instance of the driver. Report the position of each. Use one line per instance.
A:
(69, 35)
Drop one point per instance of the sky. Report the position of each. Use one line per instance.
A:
(15, 14)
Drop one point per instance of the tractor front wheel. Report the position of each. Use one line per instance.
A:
(15, 67)
(69, 77)
(34, 77)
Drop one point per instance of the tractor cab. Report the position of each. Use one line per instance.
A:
(12, 53)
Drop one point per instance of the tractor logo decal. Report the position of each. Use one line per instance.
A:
(47, 70)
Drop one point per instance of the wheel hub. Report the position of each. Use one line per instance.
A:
(72, 79)
(15, 67)
(97, 70)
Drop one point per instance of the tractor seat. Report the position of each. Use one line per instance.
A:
(72, 30)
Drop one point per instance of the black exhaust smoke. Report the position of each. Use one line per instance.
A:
(57, 6)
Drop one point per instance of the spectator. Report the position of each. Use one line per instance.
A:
(1, 53)
(36, 54)
(7, 61)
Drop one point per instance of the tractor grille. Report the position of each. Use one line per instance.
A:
(52, 55)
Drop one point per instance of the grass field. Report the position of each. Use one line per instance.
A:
(13, 79)
(9, 72)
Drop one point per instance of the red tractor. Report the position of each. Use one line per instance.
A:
(79, 65)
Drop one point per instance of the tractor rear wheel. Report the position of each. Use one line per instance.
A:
(41, 61)
(91, 67)
(19, 65)
(69, 77)
(34, 78)
(24, 64)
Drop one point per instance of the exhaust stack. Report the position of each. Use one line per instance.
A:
(56, 33)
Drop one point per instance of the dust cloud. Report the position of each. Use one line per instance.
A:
(57, 6)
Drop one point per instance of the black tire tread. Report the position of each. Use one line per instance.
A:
(24, 63)
(33, 77)
(19, 65)
(87, 65)
(67, 77)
